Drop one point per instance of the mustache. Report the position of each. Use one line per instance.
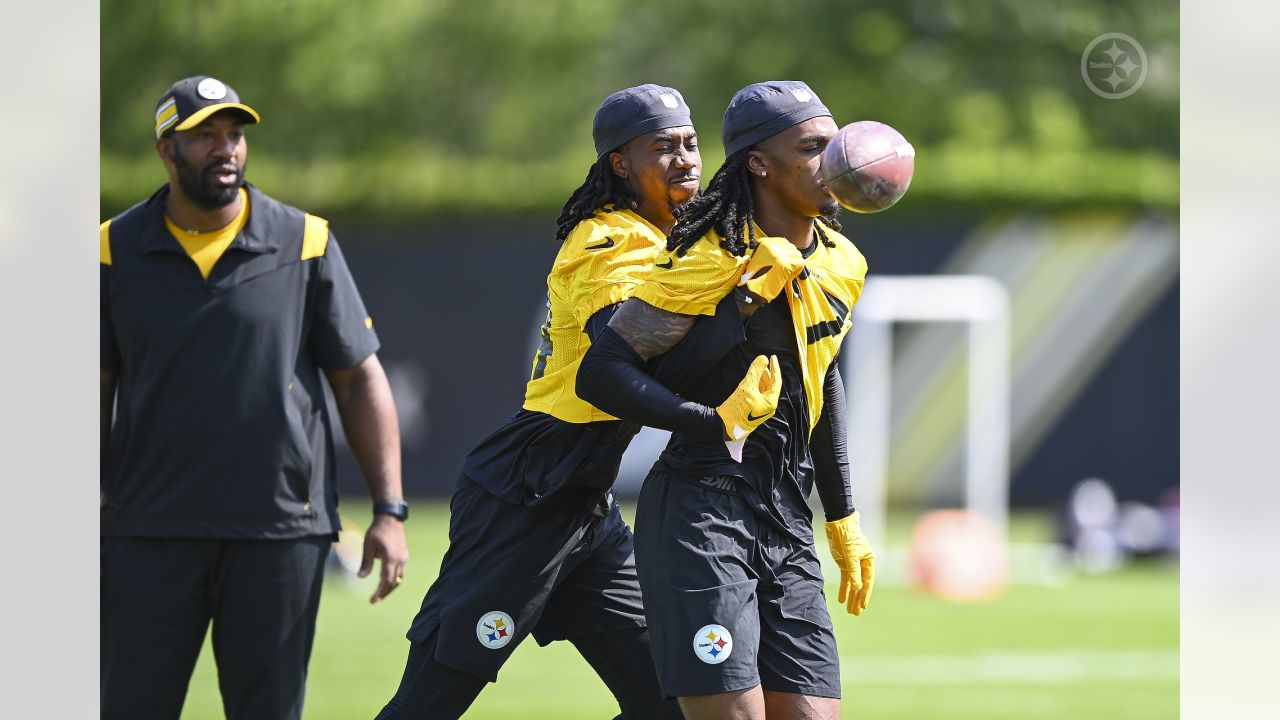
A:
(221, 167)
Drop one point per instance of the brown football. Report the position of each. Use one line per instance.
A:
(867, 166)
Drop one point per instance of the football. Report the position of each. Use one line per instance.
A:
(867, 166)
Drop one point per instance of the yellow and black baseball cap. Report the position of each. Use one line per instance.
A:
(190, 100)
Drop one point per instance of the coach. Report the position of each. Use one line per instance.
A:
(221, 309)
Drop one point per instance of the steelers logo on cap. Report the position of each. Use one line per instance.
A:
(712, 644)
(495, 629)
(211, 89)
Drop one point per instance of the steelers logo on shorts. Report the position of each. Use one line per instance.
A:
(712, 644)
(495, 629)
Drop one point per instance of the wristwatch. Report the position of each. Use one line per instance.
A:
(398, 509)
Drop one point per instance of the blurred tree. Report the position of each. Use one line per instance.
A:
(413, 106)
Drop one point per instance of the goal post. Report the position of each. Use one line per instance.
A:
(982, 303)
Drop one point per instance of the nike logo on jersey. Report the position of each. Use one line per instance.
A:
(753, 418)
(667, 265)
(608, 243)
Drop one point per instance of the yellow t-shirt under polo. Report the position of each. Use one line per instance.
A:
(206, 247)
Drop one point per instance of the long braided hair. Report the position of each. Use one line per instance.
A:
(728, 207)
(602, 187)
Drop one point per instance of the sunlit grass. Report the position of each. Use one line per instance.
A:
(1095, 646)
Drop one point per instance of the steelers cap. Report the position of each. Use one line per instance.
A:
(191, 100)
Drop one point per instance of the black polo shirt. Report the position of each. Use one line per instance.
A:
(221, 425)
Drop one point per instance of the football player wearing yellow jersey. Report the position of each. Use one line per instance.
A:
(536, 542)
(724, 542)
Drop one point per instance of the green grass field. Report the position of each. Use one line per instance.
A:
(1092, 646)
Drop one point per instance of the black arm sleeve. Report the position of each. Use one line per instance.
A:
(599, 320)
(612, 377)
(702, 348)
(830, 454)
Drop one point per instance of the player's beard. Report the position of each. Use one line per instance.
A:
(830, 215)
(677, 207)
(198, 184)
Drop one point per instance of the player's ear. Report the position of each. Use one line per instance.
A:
(165, 148)
(618, 163)
(756, 164)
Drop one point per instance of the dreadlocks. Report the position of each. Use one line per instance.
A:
(727, 206)
(602, 187)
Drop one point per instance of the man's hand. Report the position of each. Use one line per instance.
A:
(773, 264)
(856, 559)
(385, 541)
(755, 399)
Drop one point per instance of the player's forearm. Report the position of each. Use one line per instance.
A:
(647, 330)
(368, 413)
(830, 452)
(831, 477)
(612, 378)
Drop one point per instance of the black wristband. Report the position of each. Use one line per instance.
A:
(398, 510)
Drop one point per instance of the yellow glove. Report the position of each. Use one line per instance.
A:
(755, 399)
(856, 559)
(773, 264)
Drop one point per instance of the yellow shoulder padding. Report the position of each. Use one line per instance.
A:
(104, 243)
(315, 237)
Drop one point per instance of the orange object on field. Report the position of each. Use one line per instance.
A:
(957, 555)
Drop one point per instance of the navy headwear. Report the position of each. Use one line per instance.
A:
(762, 110)
(630, 113)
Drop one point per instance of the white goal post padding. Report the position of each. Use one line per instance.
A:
(983, 304)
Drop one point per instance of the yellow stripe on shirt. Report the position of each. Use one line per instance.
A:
(315, 237)
(104, 243)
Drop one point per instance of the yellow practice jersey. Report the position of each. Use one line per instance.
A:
(601, 263)
(821, 300)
